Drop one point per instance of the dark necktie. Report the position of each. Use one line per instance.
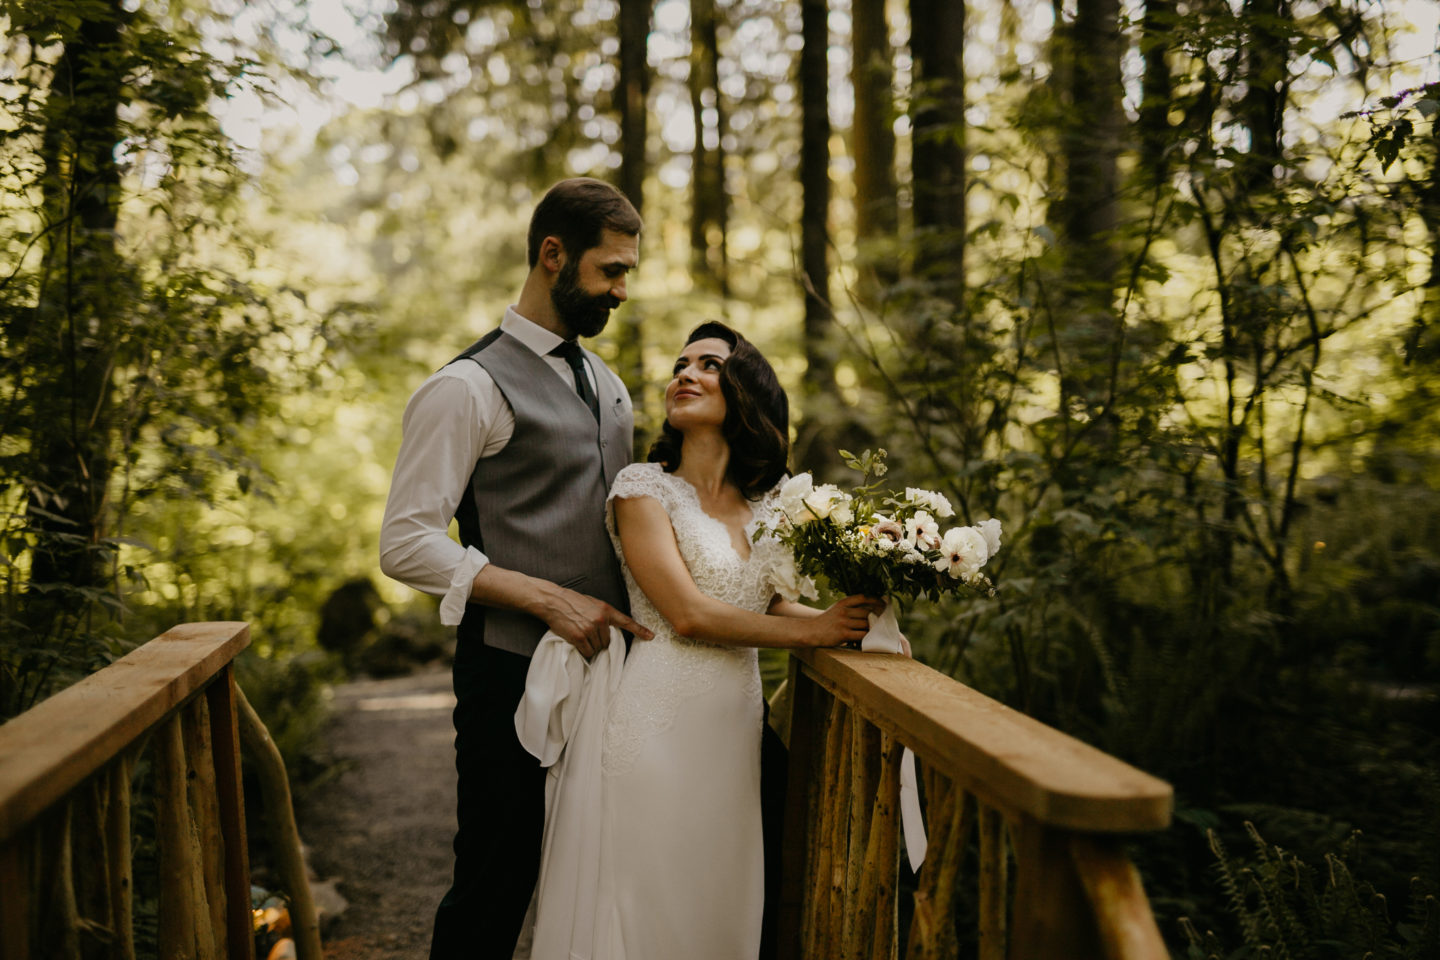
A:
(571, 352)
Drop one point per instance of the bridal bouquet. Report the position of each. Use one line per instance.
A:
(872, 541)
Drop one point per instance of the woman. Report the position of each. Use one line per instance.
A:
(681, 857)
(681, 756)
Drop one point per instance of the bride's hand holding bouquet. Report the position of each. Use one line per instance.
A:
(874, 542)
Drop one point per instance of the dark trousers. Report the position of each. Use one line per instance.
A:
(501, 811)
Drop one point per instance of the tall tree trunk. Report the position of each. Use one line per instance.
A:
(1423, 341)
(1088, 211)
(709, 207)
(77, 329)
(814, 449)
(632, 96)
(937, 45)
(1092, 133)
(1155, 89)
(1262, 108)
(872, 135)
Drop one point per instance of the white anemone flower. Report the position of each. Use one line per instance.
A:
(922, 532)
(963, 551)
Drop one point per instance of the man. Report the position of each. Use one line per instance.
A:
(518, 439)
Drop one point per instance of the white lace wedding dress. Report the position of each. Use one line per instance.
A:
(682, 873)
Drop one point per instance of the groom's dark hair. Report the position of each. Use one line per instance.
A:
(757, 416)
(578, 211)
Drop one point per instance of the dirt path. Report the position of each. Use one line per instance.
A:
(381, 828)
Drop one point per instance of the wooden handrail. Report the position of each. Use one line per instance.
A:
(66, 767)
(1003, 756)
(1041, 809)
(50, 748)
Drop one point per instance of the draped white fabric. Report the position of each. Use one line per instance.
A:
(561, 721)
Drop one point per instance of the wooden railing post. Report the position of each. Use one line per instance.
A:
(798, 816)
(1040, 800)
(15, 905)
(1051, 915)
(117, 839)
(66, 883)
(225, 747)
(994, 883)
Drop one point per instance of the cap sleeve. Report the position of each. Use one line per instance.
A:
(639, 480)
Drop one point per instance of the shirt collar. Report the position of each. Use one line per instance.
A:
(530, 333)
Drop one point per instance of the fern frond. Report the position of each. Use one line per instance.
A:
(1232, 887)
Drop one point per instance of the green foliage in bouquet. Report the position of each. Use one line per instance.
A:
(875, 541)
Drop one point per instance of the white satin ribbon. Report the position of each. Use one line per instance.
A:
(885, 637)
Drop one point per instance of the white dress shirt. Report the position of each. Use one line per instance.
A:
(455, 418)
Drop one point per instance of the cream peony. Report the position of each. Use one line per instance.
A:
(990, 530)
(778, 563)
(931, 500)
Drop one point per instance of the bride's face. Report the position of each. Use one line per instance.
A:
(693, 397)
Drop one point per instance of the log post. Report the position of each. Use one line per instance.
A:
(886, 824)
(89, 813)
(15, 905)
(818, 914)
(1112, 886)
(121, 853)
(275, 791)
(994, 881)
(838, 820)
(864, 777)
(57, 927)
(172, 825)
(205, 812)
(1051, 917)
(799, 801)
(221, 697)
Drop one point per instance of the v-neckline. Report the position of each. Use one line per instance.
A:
(729, 539)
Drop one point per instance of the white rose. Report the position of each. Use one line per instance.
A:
(841, 512)
(822, 500)
(792, 498)
(990, 530)
(963, 551)
(931, 500)
(784, 576)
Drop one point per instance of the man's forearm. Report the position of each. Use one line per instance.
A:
(511, 590)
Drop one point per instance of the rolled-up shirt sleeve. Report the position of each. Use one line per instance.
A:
(448, 424)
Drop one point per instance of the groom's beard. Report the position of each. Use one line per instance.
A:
(582, 314)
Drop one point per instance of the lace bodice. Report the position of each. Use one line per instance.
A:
(704, 542)
(663, 672)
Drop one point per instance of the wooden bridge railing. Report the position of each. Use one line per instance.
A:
(1040, 801)
(66, 769)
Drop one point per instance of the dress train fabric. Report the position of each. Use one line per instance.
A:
(561, 721)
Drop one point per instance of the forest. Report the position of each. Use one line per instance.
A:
(1155, 282)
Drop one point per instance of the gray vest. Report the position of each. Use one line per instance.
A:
(538, 506)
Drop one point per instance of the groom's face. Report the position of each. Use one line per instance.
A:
(588, 287)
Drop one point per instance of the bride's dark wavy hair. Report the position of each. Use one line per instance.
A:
(757, 416)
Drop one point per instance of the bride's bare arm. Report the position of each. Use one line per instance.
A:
(781, 607)
(654, 560)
